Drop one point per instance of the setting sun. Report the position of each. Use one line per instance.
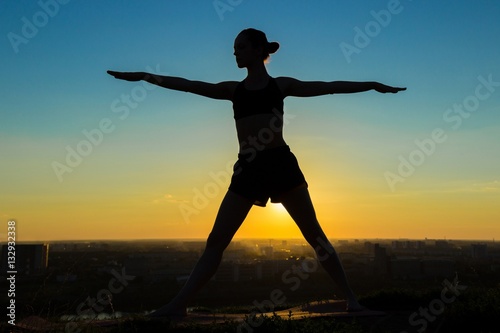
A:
(279, 209)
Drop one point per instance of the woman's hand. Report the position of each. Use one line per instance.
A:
(128, 76)
(382, 88)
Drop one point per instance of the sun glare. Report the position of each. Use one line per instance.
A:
(279, 208)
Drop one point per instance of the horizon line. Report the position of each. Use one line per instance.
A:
(237, 239)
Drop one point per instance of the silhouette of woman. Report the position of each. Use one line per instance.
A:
(266, 168)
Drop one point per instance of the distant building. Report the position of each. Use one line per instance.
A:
(380, 260)
(233, 255)
(235, 272)
(227, 272)
(442, 244)
(407, 245)
(30, 259)
(268, 251)
(479, 251)
(396, 245)
(368, 247)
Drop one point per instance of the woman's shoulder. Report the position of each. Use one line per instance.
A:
(284, 80)
(284, 83)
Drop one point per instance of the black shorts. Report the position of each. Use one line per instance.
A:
(266, 174)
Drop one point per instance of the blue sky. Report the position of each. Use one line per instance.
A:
(54, 86)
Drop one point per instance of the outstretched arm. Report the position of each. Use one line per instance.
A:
(294, 87)
(222, 90)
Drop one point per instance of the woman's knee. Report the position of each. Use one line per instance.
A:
(312, 232)
(318, 241)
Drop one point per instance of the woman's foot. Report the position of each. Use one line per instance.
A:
(354, 306)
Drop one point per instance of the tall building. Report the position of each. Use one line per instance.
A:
(268, 251)
(30, 259)
(442, 244)
(380, 260)
(479, 251)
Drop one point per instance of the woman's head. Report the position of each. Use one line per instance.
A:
(258, 42)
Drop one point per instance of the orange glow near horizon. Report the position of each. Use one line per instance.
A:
(360, 216)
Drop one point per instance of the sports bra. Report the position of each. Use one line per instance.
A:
(261, 101)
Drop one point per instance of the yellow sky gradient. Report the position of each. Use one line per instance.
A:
(347, 216)
(134, 184)
(351, 202)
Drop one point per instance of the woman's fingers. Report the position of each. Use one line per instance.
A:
(129, 76)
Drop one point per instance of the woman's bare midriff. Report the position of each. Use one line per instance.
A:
(260, 132)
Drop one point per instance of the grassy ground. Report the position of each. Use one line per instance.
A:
(473, 310)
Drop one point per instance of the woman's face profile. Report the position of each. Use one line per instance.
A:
(245, 53)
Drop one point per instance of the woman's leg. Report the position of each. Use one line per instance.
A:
(299, 205)
(232, 213)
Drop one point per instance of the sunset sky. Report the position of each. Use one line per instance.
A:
(86, 156)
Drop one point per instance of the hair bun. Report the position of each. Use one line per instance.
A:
(272, 47)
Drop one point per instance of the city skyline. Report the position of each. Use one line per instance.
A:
(85, 156)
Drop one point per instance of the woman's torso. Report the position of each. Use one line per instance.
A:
(258, 112)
